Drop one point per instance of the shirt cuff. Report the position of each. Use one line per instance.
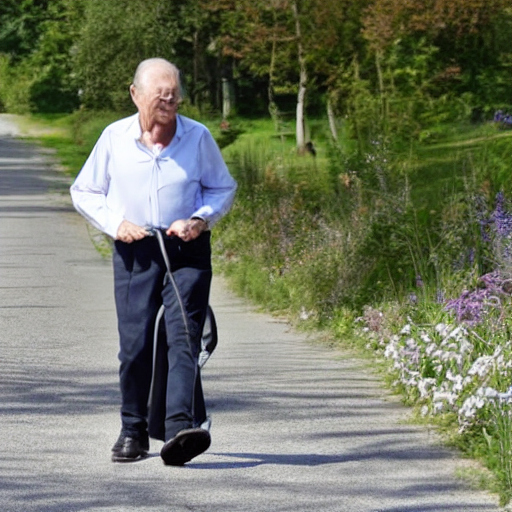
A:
(200, 217)
(113, 226)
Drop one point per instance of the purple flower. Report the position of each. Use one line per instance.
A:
(501, 218)
(470, 306)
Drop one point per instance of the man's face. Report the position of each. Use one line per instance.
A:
(156, 97)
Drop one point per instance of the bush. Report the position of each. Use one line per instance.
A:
(15, 84)
(47, 94)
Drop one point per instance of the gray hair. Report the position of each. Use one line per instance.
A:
(146, 64)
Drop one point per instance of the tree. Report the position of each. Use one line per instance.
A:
(258, 37)
(352, 55)
(36, 38)
(115, 37)
(54, 88)
(20, 26)
(333, 38)
(303, 79)
(265, 37)
(468, 34)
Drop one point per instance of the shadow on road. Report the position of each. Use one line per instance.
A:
(55, 392)
(26, 172)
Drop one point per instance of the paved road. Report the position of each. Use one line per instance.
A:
(296, 427)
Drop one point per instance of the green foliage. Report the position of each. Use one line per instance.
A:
(15, 84)
(117, 35)
(20, 26)
(36, 72)
(390, 68)
(25, 88)
(364, 227)
(54, 88)
(126, 33)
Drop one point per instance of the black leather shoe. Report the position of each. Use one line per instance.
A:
(128, 449)
(143, 440)
(184, 446)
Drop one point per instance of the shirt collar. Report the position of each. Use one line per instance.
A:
(136, 131)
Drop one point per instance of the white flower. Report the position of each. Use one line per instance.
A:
(445, 396)
(442, 329)
(507, 395)
(458, 332)
(487, 392)
(406, 329)
(465, 347)
(411, 343)
(449, 356)
(304, 315)
(424, 385)
(470, 406)
(438, 407)
(391, 352)
(458, 381)
(430, 349)
(425, 337)
(481, 366)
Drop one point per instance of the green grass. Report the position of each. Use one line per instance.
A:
(443, 168)
(72, 136)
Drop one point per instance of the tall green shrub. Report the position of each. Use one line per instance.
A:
(114, 38)
(15, 85)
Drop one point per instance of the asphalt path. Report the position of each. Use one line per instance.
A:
(296, 426)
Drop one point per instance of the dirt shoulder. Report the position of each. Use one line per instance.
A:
(12, 125)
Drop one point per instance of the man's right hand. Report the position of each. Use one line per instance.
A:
(129, 232)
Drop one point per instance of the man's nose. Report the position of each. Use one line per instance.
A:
(168, 98)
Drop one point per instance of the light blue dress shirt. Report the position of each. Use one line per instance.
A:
(124, 180)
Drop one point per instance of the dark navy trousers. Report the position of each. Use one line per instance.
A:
(140, 287)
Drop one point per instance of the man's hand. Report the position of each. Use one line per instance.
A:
(129, 232)
(187, 229)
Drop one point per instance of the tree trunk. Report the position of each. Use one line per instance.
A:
(303, 78)
(226, 98)
(272, 106)
(355, 112)
(382, 91)
(195, 80)
(332, 119)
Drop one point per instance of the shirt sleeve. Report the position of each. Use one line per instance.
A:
(90, 189)
(217, 185)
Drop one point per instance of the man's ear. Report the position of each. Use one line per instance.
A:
(133, 93)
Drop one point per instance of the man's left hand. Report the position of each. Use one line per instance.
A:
(187, 229)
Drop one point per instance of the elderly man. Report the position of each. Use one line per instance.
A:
(157, 170)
